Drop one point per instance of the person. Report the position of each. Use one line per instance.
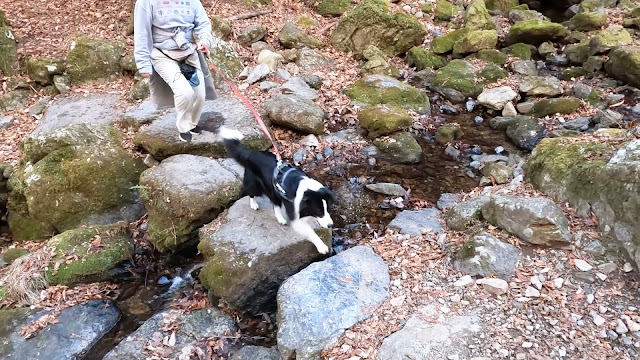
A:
(164, 32)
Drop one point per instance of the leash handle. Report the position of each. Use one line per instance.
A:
(246, 102)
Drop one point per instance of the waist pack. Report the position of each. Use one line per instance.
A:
(187, 70)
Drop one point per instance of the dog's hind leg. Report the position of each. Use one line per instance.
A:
(279, 216)
(253, 203)
(306, 231)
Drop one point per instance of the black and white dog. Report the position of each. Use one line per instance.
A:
(292, 192)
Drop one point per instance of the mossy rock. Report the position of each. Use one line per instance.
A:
(11, 255)
(14, 100)
(93, 250)
(460, 76)
(227, 60)
(477, 17)
(594, 178)
(492, 56)
(422, 59)
(371, 23)
(128, 63)
(401, 148)
(93, 59)
(379, 89)
(502, 5)
(220, 28)
(535, 32)
(546, 107)
(444, 44)
(43, 70)
(587, 21)
(69, 177)
(492, 73)
(475, 41)
(578, 53)
(624, 64)
(8, 54)
(572, 73)
(140, 90)
(609, 38)
(3, 19)
(334, 7)
(520, 50)
(448, 133)
(384, 119)
(518, 15)
(501, 174)
(379, 66)
(445, 10)
(291, 37)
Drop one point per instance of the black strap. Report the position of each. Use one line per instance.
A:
(280, 173)
(165, 54)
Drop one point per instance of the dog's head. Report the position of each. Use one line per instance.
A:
(315, 201)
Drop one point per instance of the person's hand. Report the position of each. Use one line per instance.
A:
(203, 47)
(145, 75)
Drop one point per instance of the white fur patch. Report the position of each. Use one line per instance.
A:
(326, 220)
(306, 231)
(230, 134)
(253, 204)
(277, 210)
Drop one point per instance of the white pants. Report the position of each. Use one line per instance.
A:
(189, 100)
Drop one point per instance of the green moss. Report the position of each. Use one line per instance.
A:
(476, 40)
(371, 23)
(459, 75)
(114, 247)
(572, 73)
(445, 10)
(93, 59)
(624, 64)
(535, 32)
(492, 73)
(220, 27)
(578, 53)
(377, 89)
(546, 107)
(448, 133)
(3, 19)
(492, 56)
(306, 21)
(401, 148)
(520, 50)
(11, 255)
(467, 250)
(502, 5)
(333, 7)
(422, 59)
(444, 44)
(43, 70)
(609, 38)
(587, 21)
(477, 17)
(384, 119)
(8, 52)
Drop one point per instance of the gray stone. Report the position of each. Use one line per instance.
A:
(447, 201)
(414, 222)
(501, 174)
(387, 189)
(268, 85)
(526, 132)
(258, 73)
(92, 109)
(509, 110)
(141, 114)
(421, 339)
(177, 204)
(607, 118)
(297, 86)
(312, 60)
(525, 107)
(192, 327)
(77, 330)
(292, 37)
(14, 100)
(62, 83)
(39, 107)
(538, 221)
(541, 86)
(255, 353)
(486, 255)
(497, 98)
(6, 122)
(356, 281)
(249, 254)
(464, 214)
(501, 122)
(251, 34)
(296, 113)
(161, 140)
(580, 124)
(582, 90)
(524, 67)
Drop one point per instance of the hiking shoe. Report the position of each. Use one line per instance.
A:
(196, 130)
(185, 137)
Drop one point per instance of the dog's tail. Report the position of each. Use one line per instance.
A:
(231, 140)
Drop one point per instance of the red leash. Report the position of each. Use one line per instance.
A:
(253, 111)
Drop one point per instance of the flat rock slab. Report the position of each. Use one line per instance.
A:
(78, 109)
(414, 222)
(249, 254)
(194, 326)
(316, 305)
(419, 339)
(77, 330)
(486, 255)
(161, 140)
(255, 353)
(141, 114)
(185, 192)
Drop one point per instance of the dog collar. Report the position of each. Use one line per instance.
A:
(280, 173)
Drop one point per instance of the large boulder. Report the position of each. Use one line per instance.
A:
(624, 64)
(356, 281)
(477, 17)
(227, 60)
(189, 331)
(401, 147)
(293, 37)
(93, 109)
(445, 10)
(380, 89)
(384, 119)
(445, 43)
(249, 254)
(93, 59)
(161, 140)
(587, 21)
(333, 7)
(371, 23)
(74, 332)
(185, 192)
(592, 177)
(251, 352)
(538, 221)
(77, 175)
(296, 113)
(8, 55)
(475, 41)
(535, 32)
(485, 255)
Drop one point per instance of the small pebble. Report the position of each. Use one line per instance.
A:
(621, 328)
(521, 356)
(582, 265)
(527, 345)
(531, 292)
(612, 334)
(535, 281)
(470, 106)
(627, 341)
(627, 267)
(478, 120)
(464, 281)
(597, 319)
(164, 281)
(562, 352)
(590, 299)
(601, 276)
(455, 298)
(602, 309)
(499, 149)
(558, 283)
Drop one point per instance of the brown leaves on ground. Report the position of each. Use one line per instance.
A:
(32, 330)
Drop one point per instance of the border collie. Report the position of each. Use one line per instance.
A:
(294, 195)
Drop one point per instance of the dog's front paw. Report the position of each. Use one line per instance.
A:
(281, 220)
(322, 248)
(253, 204)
